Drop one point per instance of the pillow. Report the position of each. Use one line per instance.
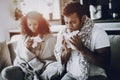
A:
(115, 51)
(12, 47)
(4, 55)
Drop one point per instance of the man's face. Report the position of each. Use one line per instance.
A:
(73, 22)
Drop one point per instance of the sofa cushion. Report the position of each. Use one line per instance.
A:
(115, 52)
(4, 55)
(12, 47)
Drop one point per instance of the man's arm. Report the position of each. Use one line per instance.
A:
(65, 55)
(100, 57)
(101, 54)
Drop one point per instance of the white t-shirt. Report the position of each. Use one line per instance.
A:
(99, 40)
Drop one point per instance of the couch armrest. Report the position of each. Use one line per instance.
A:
(12, 47)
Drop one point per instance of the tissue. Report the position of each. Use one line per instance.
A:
(35, 41)
(68, 36)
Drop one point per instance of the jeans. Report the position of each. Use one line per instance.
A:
(69, 76)
(12, 73)
(97, 77)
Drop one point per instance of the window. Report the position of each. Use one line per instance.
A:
(49, 8)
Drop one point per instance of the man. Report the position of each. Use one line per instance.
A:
(90, 41)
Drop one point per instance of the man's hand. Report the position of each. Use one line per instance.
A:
(100, 57)
(66, 53)
(29, 44)
(77, 43)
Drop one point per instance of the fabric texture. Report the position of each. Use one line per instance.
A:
(4, 55)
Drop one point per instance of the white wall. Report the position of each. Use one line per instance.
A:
(7, 20)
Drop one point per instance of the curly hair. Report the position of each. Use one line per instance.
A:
(74, 7)
(43, 24)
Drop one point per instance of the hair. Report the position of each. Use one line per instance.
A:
(43, 24)
(74, 7)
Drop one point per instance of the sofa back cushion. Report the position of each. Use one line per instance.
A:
(12, 47)
(4, 55)
(115, 52)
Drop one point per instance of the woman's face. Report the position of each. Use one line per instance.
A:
(33, 25)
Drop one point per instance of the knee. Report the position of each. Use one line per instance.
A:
(45, 76)
(6, 73)
(49, 74)
(12, 73)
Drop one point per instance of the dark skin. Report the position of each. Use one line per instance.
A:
(100, 57)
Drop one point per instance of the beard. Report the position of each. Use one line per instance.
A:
(77, 27)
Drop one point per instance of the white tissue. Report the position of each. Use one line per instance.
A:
(36, 40)
(74, 33)
(68, 36)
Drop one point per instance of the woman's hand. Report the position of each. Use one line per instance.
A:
(29, 44)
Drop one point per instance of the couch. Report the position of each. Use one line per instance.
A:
(113, 73)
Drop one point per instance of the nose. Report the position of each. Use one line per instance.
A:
(31, 27)
(70, 25)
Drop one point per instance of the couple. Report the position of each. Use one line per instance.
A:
(81, 51)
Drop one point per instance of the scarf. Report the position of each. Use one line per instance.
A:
(86, 32)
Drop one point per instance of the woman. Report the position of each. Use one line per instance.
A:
(34, 51)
